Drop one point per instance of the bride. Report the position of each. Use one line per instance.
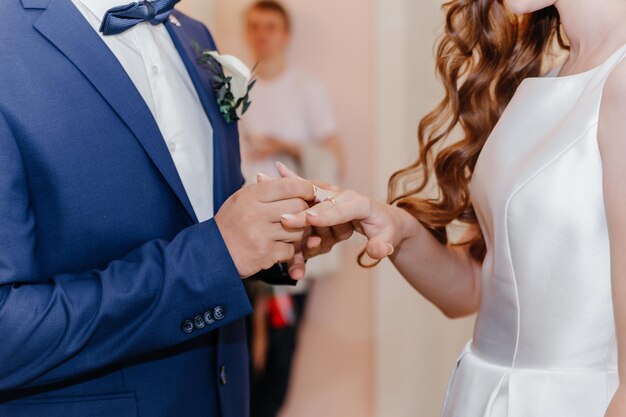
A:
(534, 167)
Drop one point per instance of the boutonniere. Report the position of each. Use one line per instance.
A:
(232, 81)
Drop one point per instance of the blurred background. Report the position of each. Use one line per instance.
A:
(369, 345)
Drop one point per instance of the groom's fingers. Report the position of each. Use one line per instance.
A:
(281, 234)
(287, 173)
(269, 191)
(282, 252)
(300, 220)
(325, 189)
(291, 205)
(327, 214)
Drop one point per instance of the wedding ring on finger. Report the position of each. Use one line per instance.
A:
(323, 195)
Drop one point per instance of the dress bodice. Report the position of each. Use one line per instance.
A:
(546, 316)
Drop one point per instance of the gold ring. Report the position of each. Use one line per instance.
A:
(332, 200)
(315, 200)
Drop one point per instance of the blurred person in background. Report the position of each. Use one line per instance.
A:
(291, 121)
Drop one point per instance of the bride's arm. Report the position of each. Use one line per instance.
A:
(446, 275)
(612, 140)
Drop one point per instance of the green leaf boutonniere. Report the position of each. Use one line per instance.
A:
(232, 81)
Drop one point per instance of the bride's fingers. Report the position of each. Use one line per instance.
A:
(343, 208)
(297, 267)
(379, 246)
(312, 252)
(301, 220)
(338, 213)
(313, 242)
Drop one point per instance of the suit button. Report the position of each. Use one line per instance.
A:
(208, 317)
(187, 327)
(198, 322)
(219, 313)
(223, 376)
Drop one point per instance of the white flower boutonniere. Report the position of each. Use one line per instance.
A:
(232, 81)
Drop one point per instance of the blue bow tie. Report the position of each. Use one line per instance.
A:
(120, 19)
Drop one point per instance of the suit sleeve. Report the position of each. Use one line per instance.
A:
(55, 328)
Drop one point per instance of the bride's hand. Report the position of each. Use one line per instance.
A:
(342, 212)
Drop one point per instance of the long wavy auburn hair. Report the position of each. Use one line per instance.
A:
(483, 56)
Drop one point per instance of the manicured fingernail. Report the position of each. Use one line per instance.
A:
(391, 250)
(261, 177)
(288, 217)
(312, 213)
(284, 167)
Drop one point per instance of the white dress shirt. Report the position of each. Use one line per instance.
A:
(152, 62)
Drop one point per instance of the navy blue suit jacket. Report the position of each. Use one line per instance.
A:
(102, 260)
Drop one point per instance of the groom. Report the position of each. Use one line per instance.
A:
(120, 290)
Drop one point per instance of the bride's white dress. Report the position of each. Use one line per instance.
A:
(544, 342)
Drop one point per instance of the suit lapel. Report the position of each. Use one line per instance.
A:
(183, 42)
(64, 26)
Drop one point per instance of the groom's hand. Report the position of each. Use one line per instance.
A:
(250, 223)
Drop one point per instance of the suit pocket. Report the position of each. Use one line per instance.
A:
(109, 405)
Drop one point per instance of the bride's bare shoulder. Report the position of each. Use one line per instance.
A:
(612, 123)
(611, 137)
(615, 87)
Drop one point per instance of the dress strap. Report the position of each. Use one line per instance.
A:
(611, 63)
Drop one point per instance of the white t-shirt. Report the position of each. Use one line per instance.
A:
(292, 108)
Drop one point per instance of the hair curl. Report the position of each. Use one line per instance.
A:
(485, 53)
